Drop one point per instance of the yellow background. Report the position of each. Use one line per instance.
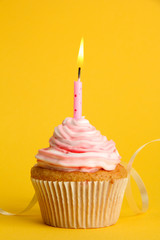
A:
(39, 43)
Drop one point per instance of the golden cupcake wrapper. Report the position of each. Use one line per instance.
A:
(87, 204)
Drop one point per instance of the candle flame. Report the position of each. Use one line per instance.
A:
(81, 54)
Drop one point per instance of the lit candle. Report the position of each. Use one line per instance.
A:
(78, 86)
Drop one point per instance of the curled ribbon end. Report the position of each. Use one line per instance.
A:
(143, 191)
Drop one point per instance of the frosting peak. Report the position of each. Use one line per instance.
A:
(76, 145)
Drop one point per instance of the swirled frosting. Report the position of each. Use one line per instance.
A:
(77, 146)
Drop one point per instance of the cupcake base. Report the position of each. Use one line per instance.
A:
(81, 204)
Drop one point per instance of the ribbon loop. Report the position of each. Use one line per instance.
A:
(143, 191)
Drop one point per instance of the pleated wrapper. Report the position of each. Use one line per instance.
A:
(86, 204)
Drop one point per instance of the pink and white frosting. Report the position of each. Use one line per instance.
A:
(77, 146)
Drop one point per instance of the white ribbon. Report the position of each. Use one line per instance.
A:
(30, 205)
(129, 195)
(143, 191)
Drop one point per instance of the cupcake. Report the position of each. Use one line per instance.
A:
(78, 179)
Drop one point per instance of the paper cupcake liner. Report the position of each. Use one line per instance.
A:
(88, 204)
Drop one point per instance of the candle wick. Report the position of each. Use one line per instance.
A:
(79, 73)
